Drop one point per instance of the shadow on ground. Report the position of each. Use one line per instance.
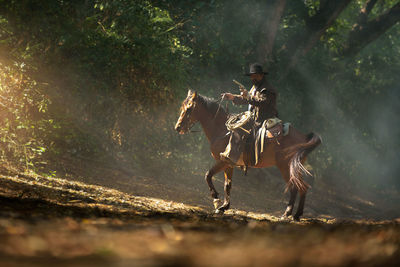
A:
(49, 221)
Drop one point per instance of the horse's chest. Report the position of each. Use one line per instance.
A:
(218, 146)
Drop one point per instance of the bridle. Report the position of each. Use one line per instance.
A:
(192, 122)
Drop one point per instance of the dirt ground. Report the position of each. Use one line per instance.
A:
(54, 222)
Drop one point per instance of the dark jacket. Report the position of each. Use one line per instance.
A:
(262, 100)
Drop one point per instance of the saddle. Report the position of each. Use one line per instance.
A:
(270, 131)
(255, 137)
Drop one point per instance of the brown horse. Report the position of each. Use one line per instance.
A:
(289, 155)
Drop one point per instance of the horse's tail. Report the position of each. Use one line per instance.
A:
(296, 154)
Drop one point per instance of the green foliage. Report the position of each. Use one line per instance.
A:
(103, 79)
(98, 59)
(121, 46)
(24, 119)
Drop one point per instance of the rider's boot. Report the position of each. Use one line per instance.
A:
(233, 150)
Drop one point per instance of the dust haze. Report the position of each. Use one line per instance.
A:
(355, 170)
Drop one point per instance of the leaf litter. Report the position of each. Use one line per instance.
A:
(46, 221)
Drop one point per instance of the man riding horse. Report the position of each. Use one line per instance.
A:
(262, 104)
(285, 147)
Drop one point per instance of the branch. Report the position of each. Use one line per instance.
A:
(322, 20)
(364, 12)
(316, 26)
(368, 31)
(368, 6)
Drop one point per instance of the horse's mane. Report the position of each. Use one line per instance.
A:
(211, 104)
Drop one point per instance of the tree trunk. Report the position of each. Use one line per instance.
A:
(268, 32)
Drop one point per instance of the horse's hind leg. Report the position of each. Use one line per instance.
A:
(300, 208)
(228, 172)
(292, 200)
(289, 208)
(219, 166)
(285, 172)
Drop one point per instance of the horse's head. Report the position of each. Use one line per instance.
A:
(186, 119)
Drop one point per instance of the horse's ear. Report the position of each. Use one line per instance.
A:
(195, 94)
(189, 93)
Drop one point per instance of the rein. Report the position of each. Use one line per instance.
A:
(215, 116)
(219, 105)
(216, 113)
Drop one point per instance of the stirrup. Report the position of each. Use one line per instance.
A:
(244, 169)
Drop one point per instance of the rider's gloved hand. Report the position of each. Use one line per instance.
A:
(228, 96)
(244, 93)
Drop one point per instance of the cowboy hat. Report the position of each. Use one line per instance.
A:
(256, 68)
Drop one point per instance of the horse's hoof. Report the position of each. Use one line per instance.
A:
(219, 211)
(296, 218)
(284, 218)
(217, 202)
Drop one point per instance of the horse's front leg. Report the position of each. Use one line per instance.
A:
(228, 172)
(219, 166)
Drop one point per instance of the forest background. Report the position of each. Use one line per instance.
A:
(94, 84)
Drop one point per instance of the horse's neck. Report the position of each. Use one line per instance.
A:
(213, 125)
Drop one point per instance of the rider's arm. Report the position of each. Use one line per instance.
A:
(264, 97)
